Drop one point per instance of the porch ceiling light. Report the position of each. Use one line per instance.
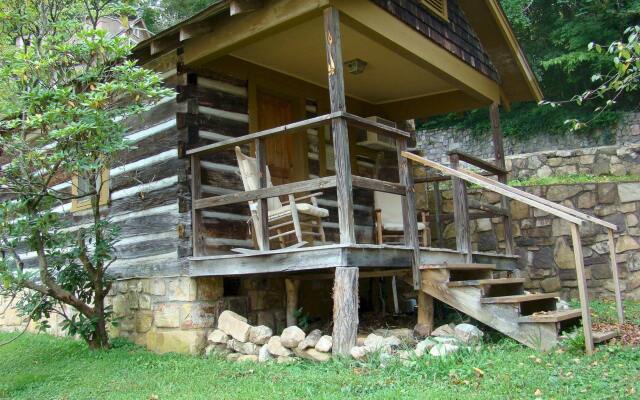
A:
(356, 66)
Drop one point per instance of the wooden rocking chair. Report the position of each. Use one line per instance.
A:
(389, 222)
(295, 219)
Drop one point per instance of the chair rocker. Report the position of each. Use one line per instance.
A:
(289, 222)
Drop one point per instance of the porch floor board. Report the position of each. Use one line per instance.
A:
(330, 256)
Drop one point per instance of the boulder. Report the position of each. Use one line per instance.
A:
(446, 339)
(234, 325)
(217, 336)
(248, 357)
(404, 334)
(424, 346)
(443, 349)
(311, 339)
(374, 342)
(260, 334)
(233, 356)
(312, 355)
(325, 343)
(292, 336)
(468, 334)
(444, 331)
(275, 347)
(264, 355)
(358, 352)
(216, 348)
(242, 347)
(421, 330)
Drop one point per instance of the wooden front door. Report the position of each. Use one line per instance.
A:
(276, 111)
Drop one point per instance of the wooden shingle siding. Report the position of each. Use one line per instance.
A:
(455, 35)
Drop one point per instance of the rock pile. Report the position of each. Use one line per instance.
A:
(236, 339)
(444, 340)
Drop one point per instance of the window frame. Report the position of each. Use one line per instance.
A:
(78, 204)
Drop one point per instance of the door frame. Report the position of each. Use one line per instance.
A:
(301, 142)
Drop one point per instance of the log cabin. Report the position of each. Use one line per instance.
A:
(316, 97)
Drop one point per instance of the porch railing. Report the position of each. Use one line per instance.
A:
(343, 181)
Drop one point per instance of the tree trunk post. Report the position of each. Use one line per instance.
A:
(425, 311)
(292, 286)
(345, 310)
(333, 44)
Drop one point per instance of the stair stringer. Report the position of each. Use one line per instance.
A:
(501, 317)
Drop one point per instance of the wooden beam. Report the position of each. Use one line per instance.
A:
(292, 287)
(333, 46)
(498, 147)
(461, 211)
(345, 310)
(164, 44)
(409, 213)
(614, 276)
(263, 209)
(275, 191)
(197, 225)
(582, 288)
(425, 312)
(280, 130)
(374, 126)
(478, 162)
(378, 185)
(244, 6)
(438, 214)
(229, 34)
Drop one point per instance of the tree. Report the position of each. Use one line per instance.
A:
(161, 14)
(623, 79)
(71, 86)
(554, 34)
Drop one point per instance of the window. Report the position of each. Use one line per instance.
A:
(81, 185)
(438, 7)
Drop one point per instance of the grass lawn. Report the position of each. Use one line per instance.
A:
(44, 367)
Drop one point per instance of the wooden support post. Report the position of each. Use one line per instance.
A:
(461, 212)
(197, 224)
(494, 114)
(345, 309)
(409, 213)
(614, 276)
(292, 287)
(263, 208)
(425, 312)
(339, 125)
(582, 288)
(438, 209)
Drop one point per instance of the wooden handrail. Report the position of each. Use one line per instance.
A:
(493, 186)
(275, 191)
(478, 162)
(576, 218)
(314, 122)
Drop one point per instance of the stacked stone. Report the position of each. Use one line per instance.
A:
(402, 343)
(239, 341)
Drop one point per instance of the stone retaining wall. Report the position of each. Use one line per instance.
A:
(435, 144)
(543, 241)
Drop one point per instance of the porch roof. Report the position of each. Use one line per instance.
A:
(408, 74)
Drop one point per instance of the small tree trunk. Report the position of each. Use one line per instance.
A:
(100, 337)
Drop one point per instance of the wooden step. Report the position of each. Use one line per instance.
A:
(520, 298)
(482, 282)
(459, 267)
(551, 316)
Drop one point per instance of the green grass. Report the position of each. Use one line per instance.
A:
(573, 179)
(44, 367)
